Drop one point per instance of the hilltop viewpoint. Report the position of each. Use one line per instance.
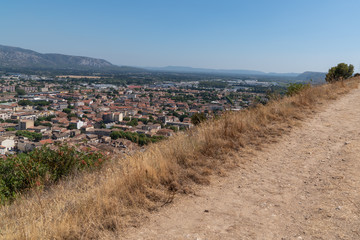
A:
(285, 170)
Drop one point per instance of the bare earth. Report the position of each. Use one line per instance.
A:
(306, 186)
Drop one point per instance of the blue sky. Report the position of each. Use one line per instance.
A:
(271, 36)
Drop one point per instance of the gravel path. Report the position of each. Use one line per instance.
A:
(306, 186)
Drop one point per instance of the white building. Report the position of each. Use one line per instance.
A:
(80, 124)
(7, 144)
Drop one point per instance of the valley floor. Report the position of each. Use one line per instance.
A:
(306, 186)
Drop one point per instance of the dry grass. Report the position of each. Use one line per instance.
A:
(102, 204)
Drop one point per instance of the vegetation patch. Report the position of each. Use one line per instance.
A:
(296, 88)
(42, 167)
(33, 136)
(140, 139)
(40, 103)
(340, 72)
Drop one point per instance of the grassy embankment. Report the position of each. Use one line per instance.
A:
(99, 205)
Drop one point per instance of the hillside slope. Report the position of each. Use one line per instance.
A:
(315, 77)
(19, 58)
(303, 187)
(125, 192)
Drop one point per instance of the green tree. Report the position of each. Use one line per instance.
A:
(32, 136)
(71, 115)
(72, 126)
(67, 110)
(20, 91)
(25, 102)
(11, 121)
(340, 72)
(133, 122)
(102, 124)
(181, 117)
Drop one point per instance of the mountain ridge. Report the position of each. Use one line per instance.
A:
(314, 76)
(20, 58)
(228, 71)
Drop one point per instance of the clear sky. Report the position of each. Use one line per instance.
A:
(266, 35)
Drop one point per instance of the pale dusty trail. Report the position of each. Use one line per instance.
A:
(306, 186)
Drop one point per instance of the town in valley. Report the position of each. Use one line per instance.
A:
(99, 113)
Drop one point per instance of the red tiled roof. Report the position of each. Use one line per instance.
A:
(46, 141)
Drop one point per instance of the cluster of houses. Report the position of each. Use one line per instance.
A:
(89, 114)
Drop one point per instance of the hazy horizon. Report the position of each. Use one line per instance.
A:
(277, 36)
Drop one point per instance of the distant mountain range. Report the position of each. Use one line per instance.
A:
(306, 76)
(19, 58)
(222, 71)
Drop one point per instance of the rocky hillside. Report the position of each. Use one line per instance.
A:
(19, 58)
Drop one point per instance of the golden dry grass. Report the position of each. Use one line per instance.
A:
(100, 205)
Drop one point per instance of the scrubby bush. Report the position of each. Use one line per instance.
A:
(42, 166)
(340, 72)
(295, 88)
(140, 139)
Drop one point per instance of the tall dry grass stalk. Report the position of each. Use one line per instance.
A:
(100, 205)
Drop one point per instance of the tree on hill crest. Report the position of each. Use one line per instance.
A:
(340, 72)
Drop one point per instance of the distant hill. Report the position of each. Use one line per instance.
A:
(317, 77)
(182, 69)
(19, 58)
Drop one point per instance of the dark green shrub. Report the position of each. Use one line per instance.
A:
(67, 110)
(340, 72)
(133, 122)
(140, 139)
(295, 88)
(42, 167)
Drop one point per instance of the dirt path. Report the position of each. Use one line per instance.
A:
(306, 186)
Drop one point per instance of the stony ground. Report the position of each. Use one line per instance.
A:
(306, 186)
